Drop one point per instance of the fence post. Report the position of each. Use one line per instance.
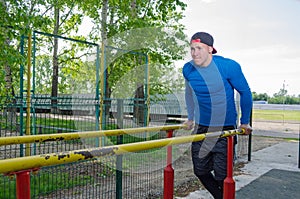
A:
(250, 138)
(119, 161)
(169, 172)
(299, 148)
(23, 184)
(229, 184)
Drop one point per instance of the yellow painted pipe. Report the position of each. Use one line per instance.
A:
(32, 162)
(88, 134)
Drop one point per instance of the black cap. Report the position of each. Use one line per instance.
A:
(205, 38)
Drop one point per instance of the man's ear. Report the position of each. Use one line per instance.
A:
(210, 49)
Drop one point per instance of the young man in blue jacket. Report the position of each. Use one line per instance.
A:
(210, 81)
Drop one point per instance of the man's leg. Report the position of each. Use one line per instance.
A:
(203, 168)
(220, 162)
(212, 185)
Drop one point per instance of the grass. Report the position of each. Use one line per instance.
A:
(42, 183)
(276, 115)
(291, 139)
(63, 125)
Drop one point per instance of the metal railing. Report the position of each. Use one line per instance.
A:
(22, 166)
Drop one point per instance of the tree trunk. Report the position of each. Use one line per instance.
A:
(139, 105)
(139, 102)
(11, 103)
(11, 112)
(8, 73)
(54, 90)
(9, 81)
(107, 103)
(133, 8)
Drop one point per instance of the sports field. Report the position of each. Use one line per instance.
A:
(276, 115)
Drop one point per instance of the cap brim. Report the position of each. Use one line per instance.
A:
(214, 51)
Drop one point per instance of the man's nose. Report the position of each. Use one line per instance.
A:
(195, 52)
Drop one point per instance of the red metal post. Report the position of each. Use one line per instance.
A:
(169, 172)
(23, 184)
(229, 184)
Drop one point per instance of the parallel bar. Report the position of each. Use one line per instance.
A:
(37, 161)
(250, 138)
(229, 184)
(23, 184)
(88, 134)
(169, 173)
(299, 149)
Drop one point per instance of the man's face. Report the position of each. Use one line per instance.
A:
(201, 53)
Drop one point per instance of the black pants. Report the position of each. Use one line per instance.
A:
(210, 160)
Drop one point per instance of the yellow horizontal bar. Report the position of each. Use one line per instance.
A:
(87, 134)
(32, 162)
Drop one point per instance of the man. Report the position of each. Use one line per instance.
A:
(209, 93)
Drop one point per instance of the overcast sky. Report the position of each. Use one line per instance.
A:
(262, 35)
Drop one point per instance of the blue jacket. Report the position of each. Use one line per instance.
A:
(209, 92)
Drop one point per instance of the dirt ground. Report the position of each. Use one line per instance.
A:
(186, 182)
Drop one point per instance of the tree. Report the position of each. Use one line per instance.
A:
(8, 61)
(280, 97)
(147, 27)
(65, 21)
(17, 19)
(260, 96)
(281, 93)
(140, 26)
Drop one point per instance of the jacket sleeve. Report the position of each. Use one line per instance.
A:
(239, 82)
(189, 100)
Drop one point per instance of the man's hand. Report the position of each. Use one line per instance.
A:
(189, 124)
(248, 129)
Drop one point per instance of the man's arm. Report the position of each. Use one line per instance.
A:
(246, 107)
(239, 82)
(189, 106)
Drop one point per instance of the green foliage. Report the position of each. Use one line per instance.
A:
(278, 98)
(17, 19)
(125, 18)
(260, 96)
(43, 74)
(282, 92)
(77, 67)
(284, 100)
(146, 27)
